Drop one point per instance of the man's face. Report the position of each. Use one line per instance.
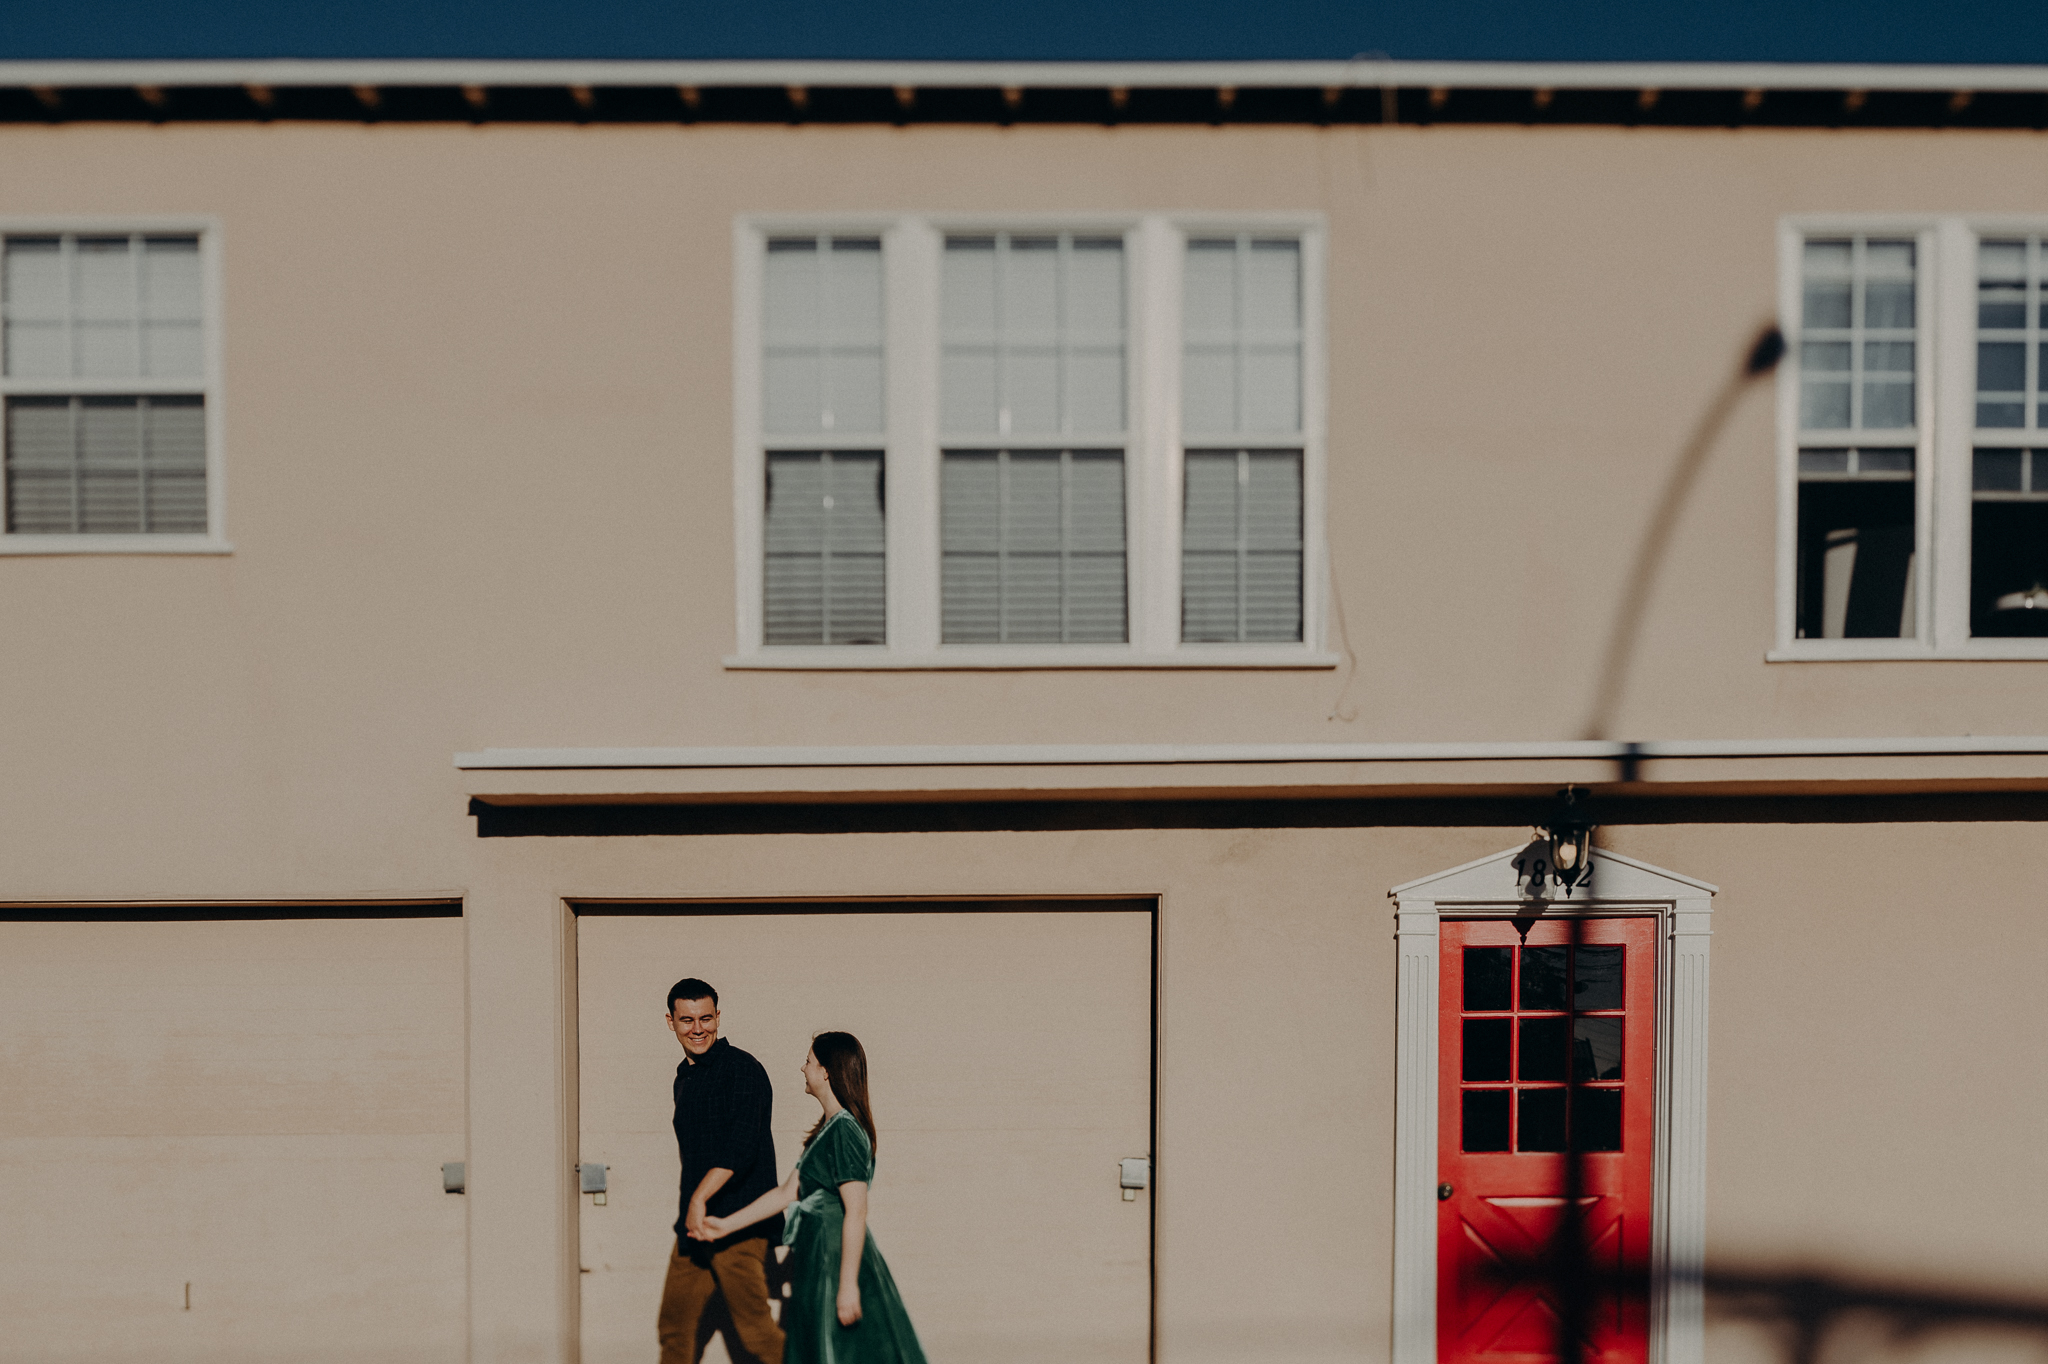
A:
(695, 1024)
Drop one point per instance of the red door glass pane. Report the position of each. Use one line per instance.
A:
(1547, 1104)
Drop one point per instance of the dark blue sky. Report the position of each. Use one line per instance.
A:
(1585, 30)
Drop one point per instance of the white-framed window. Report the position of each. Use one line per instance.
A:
(109, 376)
(1025, 442)
(1912, 522)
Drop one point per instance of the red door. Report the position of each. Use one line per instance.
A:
(1547, 1105)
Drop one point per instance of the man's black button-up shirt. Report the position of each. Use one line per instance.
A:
(723, 1104)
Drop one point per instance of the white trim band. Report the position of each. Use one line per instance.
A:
(1077, 755)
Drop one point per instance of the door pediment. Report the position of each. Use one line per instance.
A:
(1502, 878)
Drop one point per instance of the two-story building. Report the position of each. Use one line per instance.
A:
(1090, 577)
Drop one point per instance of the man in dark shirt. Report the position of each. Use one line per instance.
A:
(723, 1101)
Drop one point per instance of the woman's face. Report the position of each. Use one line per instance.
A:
(817, 1083)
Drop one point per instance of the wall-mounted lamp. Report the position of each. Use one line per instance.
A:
(1571, 838)
(2034, 598)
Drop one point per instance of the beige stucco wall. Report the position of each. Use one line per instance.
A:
(477, 413)
(1870, 1006)
(478, 423)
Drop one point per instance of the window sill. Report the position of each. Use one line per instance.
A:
(113, 544)
(1023, 657)
(1909, 651)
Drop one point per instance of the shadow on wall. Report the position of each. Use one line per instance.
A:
(1807, 1316)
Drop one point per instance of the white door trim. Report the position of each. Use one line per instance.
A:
(1617, 885)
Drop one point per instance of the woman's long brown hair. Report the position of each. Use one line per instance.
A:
(846, 1067)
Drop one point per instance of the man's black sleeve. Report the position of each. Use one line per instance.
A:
(734, 1139)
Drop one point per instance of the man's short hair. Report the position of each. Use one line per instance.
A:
(690, 988)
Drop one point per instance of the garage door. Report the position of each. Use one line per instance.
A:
(1010, 1060)
(222, 1141)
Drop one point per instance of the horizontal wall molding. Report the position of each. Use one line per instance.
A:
(870, 816)
(1142, 755)
(206, 911)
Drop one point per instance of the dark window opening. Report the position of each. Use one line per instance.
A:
(1856, 557)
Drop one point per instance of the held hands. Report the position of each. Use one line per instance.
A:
(712, 1228)
(694, 1222)
(849, 1304)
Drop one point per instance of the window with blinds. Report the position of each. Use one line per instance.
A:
(824, 577)
(1032, 346)
(965, 443)
(1241, 426)
(105, 375)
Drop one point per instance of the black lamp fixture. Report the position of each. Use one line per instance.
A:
(1571, 839)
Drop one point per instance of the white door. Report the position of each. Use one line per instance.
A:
(222, 1141)
(1010, 1061)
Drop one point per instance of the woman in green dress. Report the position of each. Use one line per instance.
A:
(843, 1306)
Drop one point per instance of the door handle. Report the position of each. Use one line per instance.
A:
(1444, 1191)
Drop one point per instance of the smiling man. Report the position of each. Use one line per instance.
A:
(723, 1102)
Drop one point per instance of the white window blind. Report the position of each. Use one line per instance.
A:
(822, 337)
(1241, 367)
(825, 581)
(1032, 543)
(825, 574)
(1032, 347)
(103, 307)
(106, 466)
(1241, 546)
(1032, 338)
(99, 307)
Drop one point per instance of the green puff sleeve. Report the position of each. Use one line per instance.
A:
(842, 1155)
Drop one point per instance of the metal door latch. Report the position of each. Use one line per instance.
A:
(592, 1177)
(1134, 1173)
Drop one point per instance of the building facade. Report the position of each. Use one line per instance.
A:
(1093, 579)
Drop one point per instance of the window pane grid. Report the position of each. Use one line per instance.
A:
(1032, 547)
(822, 337)
(106, 465)
(1859, 335)
(1241, 336)
(1241, 546)
(1857, 463)
(1033, 337)
(103, 312)
(2009, 328)
(1541, 1048)
(825, 575)
(101, 307)
(2009, 476)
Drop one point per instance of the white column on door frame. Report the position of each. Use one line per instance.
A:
(1619, 885)
(1677, 1307)
(1415, 1037)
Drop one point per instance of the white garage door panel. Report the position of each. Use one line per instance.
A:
(259, 1109)
(1011, 1070)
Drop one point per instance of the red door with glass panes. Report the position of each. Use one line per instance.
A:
(1547, 1055)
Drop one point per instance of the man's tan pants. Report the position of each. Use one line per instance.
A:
(739, 1272)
